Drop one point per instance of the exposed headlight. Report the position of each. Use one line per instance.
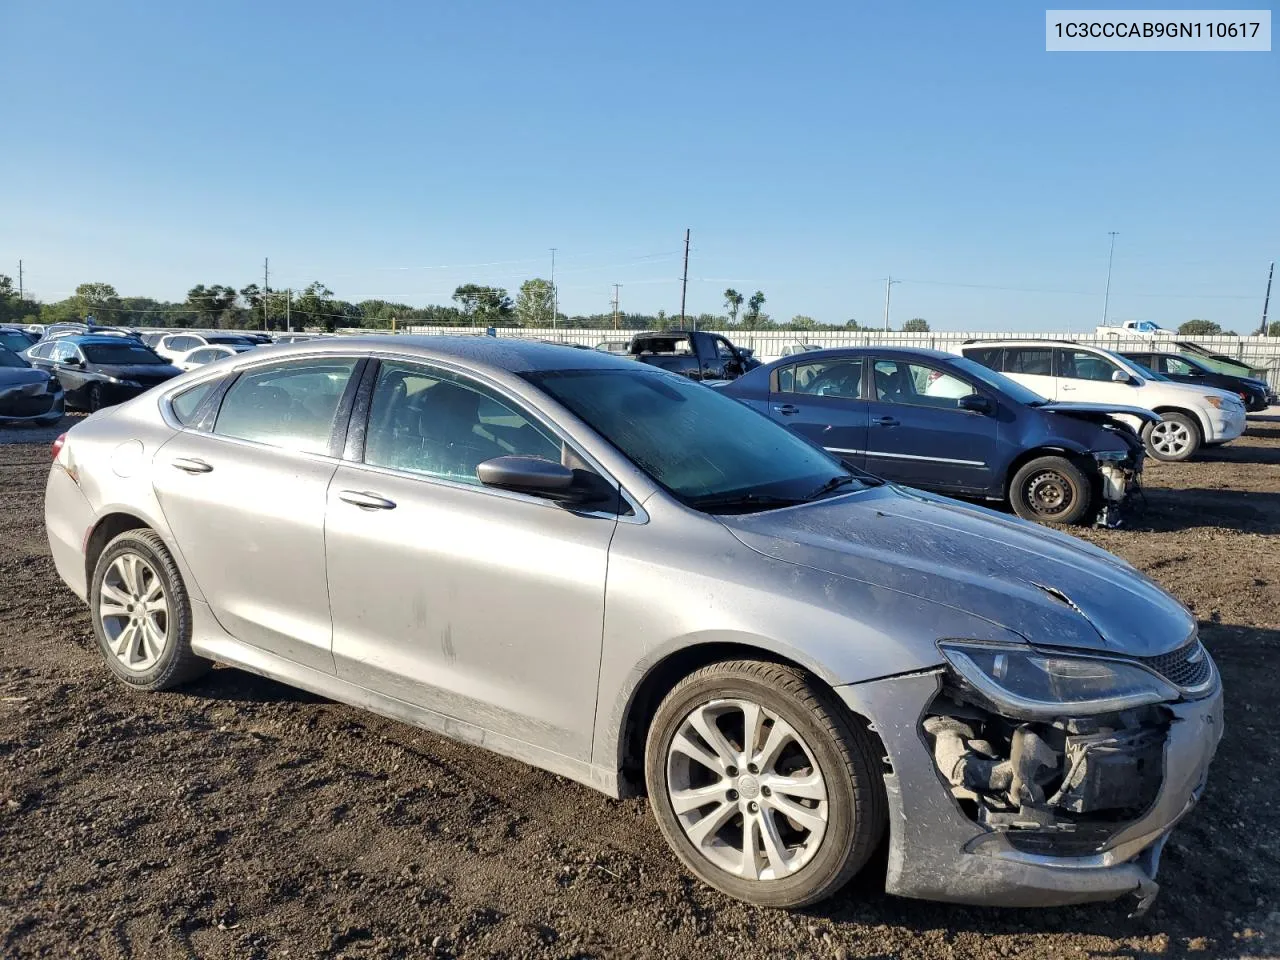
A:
(1111, 455)
(1035, 685)
(1213, 401)
(123, 383)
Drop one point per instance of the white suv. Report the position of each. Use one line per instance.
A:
(176, 345)
(1064, 371)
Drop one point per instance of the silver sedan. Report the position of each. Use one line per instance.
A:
(623, 577)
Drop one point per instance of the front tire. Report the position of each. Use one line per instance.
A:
(1175, 438)
(763, 784)
(95, 398)
(142, 615)
(1050, 490)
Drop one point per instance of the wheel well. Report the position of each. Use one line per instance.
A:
(664, 675)
(1190, 414)
(1022, 459)
(107, 529)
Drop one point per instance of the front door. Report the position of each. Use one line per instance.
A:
(1087, 376)
(247, 501)
(919, 434)
(480, 605)
(822, 401)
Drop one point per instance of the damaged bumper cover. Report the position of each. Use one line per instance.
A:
(950, 842)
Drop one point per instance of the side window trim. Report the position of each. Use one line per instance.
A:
(212, 406)
(362, 403)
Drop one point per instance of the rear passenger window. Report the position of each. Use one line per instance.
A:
(830, 378)
(185, 404)
(1033, 361)
(291, 406)
(990, 357)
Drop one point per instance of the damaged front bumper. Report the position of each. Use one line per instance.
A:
(1120, 481)
(943, 848)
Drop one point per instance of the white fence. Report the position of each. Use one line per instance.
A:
(1261, 353)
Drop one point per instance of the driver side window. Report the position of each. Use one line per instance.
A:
(1081, 365)
(432, 422)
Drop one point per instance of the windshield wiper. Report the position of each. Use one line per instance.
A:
(744, 500)
(835, 483)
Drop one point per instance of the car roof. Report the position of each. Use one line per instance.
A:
(889, 353)
(95, 338)
(505, 354)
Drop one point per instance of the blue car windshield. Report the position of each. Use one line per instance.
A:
(706, 449)
(999, 382)
(1146, 371)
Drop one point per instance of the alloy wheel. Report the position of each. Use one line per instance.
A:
(746, 790)
(134, 611)
(1170, 437)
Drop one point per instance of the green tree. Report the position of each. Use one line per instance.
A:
(852, 324)
(802, 322)
(314, 306)
(211, 303)
(1200, 328)
(15, 309)
(751, 318)
(916, 325)
(480, 303)
(732, 303)
(97, 300)
(1273, 330)
(535, 303)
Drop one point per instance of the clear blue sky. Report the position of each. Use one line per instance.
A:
(396, 150)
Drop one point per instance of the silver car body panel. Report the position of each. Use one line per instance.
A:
(528, 628)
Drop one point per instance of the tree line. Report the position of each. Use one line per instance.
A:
(315, 307)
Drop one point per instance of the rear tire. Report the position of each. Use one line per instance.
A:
(782, 817)
(142, 615)
(95, 400)
(1051, 490)
(1175, 438)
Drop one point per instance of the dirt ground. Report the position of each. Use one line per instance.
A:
(240, 818)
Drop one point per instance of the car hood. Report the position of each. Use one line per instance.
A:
(16, 376)
(1050, 588)
(143, 372)
(1195, 393)
(1093, 411)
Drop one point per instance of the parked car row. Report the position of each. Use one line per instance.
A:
(604, 569)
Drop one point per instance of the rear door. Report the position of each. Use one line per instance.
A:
(1033, 368)
(246, 502)
(822, 401)
(482, 605)
(920, 435)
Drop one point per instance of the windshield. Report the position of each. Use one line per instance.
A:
(14, 340)
(703, 447)
(124, 352)
(10, 359)
(228, 340)
(1010, 388)
(1146, 371)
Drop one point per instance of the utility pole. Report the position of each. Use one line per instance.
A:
(684, 283)
(1106, 297)
(1266, 301)
(616, 288)
(20, 297)
(265, 288)
(555, 294)
(888, 286)
(288, 302)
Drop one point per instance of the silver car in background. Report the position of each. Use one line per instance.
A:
(619, 575)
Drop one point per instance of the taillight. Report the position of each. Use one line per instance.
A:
(57, 445)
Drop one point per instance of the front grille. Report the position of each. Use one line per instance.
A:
(1187, 667)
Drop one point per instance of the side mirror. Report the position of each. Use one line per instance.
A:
(976, 403)
(73, 362)
(1119, 376)
(544, 478)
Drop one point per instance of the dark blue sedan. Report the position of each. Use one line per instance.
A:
(944, 423)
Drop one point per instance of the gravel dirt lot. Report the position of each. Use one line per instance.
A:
(240, 818)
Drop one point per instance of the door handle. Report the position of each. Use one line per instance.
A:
(786, 409)
(192, 465)
(1067, 386)
(885, 421)
(366, 501)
